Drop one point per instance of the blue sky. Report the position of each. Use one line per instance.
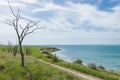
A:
(66, 21)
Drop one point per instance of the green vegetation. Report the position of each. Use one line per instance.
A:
(34, 69)
(55, 58)
(40, 71)
(78, 61)
(98, 73)
(92, 66)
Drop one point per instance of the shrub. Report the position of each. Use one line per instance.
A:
(92, 66)
(78, 61)
(1, 67)
(49, 56)
(101, 67)
(55, 58)
(15, 50)
(28, 51)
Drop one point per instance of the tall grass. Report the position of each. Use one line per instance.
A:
(34, 69)
(98, 73)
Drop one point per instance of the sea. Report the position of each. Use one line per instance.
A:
(105, 55)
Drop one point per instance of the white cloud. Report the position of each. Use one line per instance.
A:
(30, 1)
(12, 3)
(89, 13)
(81, 14)
(17, 4)
(3, 3)
(49, 6)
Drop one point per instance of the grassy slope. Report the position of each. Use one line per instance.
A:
(34, 70)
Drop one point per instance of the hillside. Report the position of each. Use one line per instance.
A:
(34, 69)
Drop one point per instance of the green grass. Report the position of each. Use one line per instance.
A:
(33, 70)
(87, 70)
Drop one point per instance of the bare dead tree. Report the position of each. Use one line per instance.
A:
(21, 31)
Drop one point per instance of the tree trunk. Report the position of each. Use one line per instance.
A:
(22, 60)
(22, 55)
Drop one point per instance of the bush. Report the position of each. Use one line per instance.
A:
(55, 58)
(95, 67)
(49, 56)
(1, 67)
(78, 61)
(101, 67)
(15, 50)
(92, 66)
(28, 51)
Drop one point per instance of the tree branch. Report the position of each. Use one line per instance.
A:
(11, 9)
(21, 27)
(34, 30)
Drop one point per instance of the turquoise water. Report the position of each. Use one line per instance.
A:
(106, 55)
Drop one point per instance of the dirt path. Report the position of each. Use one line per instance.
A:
(76, 73)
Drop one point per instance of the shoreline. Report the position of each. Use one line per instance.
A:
(67, 59)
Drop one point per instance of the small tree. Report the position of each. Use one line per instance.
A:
(21, 31)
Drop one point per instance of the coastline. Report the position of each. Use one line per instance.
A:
(66, 56)
(92, 69)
